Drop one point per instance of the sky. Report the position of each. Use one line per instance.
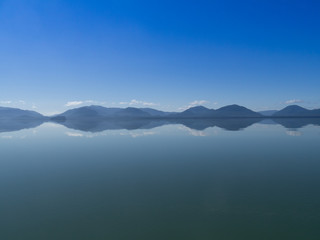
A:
(170, 55)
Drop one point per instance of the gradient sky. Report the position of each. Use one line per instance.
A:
(169, 55)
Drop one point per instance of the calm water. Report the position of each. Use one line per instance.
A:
(166, 182)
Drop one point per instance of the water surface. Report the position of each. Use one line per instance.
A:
(189, 180)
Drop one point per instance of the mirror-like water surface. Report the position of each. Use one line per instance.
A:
(190, 180)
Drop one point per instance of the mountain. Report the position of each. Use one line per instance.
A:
(97, 118)
(297, 111)
(235, 111)
(102, 113)
(131, 112)
(268, 113)
(16, 113)
(90, 112)
(232, 111)
(195, 112)
(14, 119)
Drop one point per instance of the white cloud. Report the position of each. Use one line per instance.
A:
(194, 104)
(7, 137)
(77, 103)
(292, 101)
(134, 135)
(293, 133)
(193, 132)
(5, 102)
(22, 102)
(73, 103)
(197, 133)
(138, 102)
(198, 102)
(72, 134)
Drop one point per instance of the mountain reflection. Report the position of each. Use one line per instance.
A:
(98, 125)
(11, 125)
(196, 124)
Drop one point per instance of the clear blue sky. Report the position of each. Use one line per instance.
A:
(167, 54)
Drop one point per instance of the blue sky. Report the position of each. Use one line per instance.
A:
(169, 55)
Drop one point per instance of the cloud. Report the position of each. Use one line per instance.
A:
(22, 102)
(292, 101)
(6, 137)
(198, 102)
(5, 102)
(73, 103)
(195, 103)
(138, 102)
(134, 135)
(77, 103)
(293, 133)
(193, 132)
(72, 134)
(197, 133)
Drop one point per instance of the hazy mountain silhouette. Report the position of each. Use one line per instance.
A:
(98, 118)
(103, 113)
(14, 119)
(232, 117)
(11, 113)
(297, 111)
(235, 111)
(195, 112)
(231, 111)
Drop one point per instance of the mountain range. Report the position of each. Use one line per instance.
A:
(231, 111)
(89, 112)
(13, 119)
(98, 118)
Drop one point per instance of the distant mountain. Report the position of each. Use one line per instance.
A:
(297, 111)
(98, 118)
(88, 113)
(195, 112)
(268, 113)
(236, 111)
(231, 111)
(16, 113)
(14, 119)
(102, 113)
(131, 112)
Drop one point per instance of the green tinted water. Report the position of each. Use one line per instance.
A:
(169, 182)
